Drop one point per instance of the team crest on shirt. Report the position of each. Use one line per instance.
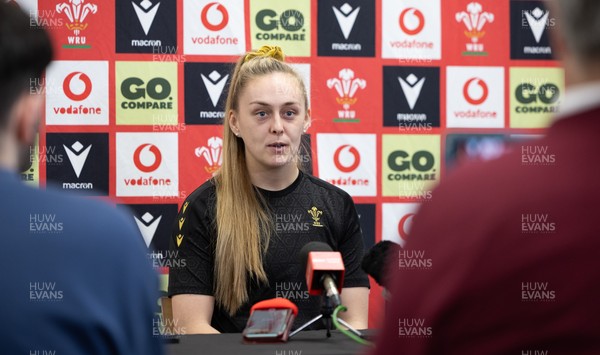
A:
(315, 214)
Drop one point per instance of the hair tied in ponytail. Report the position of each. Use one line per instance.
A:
(266, 51)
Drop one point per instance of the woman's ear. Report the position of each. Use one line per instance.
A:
(307, 120)
(233, 123)
(28, 113)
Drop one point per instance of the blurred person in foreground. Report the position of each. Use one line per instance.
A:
(74, 276)
(514, 243)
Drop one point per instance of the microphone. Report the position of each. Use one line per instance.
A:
(270, 320)
(376, 260)
(324, 270)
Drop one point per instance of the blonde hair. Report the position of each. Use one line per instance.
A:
(243, 222)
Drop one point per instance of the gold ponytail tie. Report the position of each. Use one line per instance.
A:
(266, 51)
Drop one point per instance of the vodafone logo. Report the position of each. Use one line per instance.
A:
(354, 163)
(475, 97)
(411, 21)
(78, 93)
(475, 91)
(211, 20)
(404, 226)
(142, 162)
(155, 164)
(79, 89)
(341, 162)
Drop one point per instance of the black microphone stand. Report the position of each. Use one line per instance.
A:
(326, 313)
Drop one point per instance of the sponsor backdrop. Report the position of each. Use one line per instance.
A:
(402, 92)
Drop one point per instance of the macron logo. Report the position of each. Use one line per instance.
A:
(77, 156)
(412, 89)
(146, 13)
(147, 226)
(214, 85)
(537, 22)
(346, 16)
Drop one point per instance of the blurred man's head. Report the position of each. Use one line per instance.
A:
(25, 51)
(578, 38)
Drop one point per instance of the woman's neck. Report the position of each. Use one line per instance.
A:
(274, 179)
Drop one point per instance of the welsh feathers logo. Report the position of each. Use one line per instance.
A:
(211, 154)
(474, 20)
(76, 12)
(346, 85)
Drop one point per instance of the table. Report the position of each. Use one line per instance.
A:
(304, 343)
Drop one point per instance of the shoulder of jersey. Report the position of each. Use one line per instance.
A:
(203, 191)
(322, 184)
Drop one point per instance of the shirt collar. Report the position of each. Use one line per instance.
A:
(579, 98)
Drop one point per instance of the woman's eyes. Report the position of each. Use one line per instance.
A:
(285, 114)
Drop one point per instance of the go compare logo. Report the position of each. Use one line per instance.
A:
(411, 165)
(146, 93)
(281, 23)
(290, 21)
(157, 89)
(547, 94)
(536, 96)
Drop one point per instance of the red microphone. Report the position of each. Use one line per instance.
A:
(324, 270)
(270, 320)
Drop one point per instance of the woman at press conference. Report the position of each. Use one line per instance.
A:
(241, 231)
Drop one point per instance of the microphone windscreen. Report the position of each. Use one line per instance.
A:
(376, 259)
(307, 248)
